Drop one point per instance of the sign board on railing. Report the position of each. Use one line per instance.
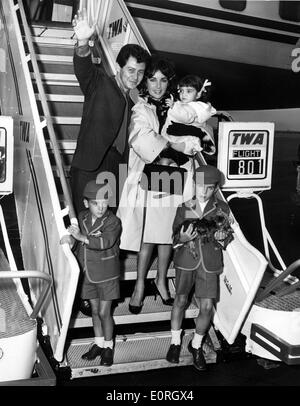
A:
(6, 155)
(115, 26)
(245, 155)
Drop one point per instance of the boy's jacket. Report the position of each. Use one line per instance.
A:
(100, 258)
(188, 256)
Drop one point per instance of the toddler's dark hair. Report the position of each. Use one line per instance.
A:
(196, 82)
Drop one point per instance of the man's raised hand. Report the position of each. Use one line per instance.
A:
(81, 27)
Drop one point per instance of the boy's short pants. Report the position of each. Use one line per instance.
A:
(206, 284)
(109, 290)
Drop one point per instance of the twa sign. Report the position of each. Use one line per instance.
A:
(245, 155)
(248, 138)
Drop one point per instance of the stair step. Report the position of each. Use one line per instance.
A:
(66, 147)
(129, 267)
(53, 32)
(57, 59)
(153, 311)
(66, 110)
(135, 352)
(62, 78)
(44, 48)
(59, 25)
(66, 120)
(68, 42)
(131, 273)
(66, 132)
(61, 83)
(60, 89)
(56, 68)
(62, 98)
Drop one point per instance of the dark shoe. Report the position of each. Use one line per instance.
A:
(107, 357)
(85, 308)
(93, 352)
(173, 354)
(167, 302)
(135, 309)
(198, 357)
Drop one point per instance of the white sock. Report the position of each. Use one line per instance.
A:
(197, 340)
(176, 337)
(108, 344)
(99, 341)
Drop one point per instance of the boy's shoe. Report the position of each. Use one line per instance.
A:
(92, 353)
(173, 354)
(85, 307)
(198, 357)
(107, 358)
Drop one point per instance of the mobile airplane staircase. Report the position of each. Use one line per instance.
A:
(46, 103)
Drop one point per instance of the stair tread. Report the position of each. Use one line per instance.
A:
(51, 24)
(62, 98)
(128, 264)
(53, 32)
(136, 352)
(66, 77)
(153, 310)
(66, 120)
(54, 41)
(57, 59)
(65, 145)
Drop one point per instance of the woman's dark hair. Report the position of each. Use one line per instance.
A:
(196, 82)
(166, 67)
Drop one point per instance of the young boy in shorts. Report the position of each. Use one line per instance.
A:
(98, 254)
(198, 261)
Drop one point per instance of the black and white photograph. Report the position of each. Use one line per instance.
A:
(150, 197)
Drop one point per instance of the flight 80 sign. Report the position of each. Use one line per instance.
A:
(245, 155)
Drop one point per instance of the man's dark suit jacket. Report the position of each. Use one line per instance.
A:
(102, 115)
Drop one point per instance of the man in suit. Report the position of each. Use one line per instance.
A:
(102, 141)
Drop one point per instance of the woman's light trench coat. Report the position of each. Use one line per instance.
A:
(154, 225)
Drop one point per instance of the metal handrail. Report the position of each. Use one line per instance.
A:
(275, 282)
(47, 114)
(31, 274)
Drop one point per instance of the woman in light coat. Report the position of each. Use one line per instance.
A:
(147, 216)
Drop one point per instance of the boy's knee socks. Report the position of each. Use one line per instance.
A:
(176, 337)
(108, 344)
(99, 341)
(197, 340)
